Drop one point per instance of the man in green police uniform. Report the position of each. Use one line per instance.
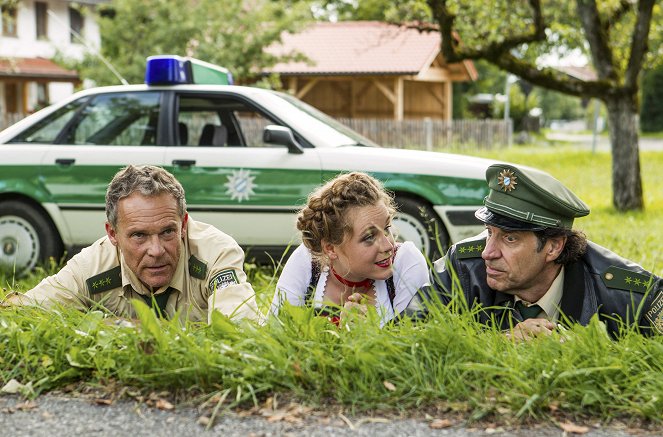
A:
(530, 270)
(155, 252)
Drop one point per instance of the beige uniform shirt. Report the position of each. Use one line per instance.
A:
(209, 276)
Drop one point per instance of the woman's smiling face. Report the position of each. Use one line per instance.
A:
(367, 252)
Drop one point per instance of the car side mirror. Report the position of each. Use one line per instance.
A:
(282, 136)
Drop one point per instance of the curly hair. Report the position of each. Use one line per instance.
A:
(325, 215)
(148, 180)
(574, 248)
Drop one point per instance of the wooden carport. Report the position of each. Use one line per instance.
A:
(368, 69)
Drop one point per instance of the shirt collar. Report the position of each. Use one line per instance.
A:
(550, 301)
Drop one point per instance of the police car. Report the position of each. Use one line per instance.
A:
(247, 158)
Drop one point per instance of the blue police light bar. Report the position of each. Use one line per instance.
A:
(175, 70)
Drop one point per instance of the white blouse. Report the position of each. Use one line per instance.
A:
(410, 274)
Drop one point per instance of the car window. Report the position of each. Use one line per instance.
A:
(129, 119)
(48, 129)
(220, 122)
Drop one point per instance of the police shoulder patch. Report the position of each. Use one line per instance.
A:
(197, 268)
(223, 279)
(655, 313)
(623, 279)
(105, 281)
(470, 249)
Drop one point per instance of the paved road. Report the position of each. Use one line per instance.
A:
(54, 415)
(602, 143)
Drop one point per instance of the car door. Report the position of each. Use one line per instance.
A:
(233, 180)
(105, 133)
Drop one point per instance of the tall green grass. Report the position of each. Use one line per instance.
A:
(449, 363)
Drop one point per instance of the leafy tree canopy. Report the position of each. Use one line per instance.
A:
(231, 33)
(651, 119)
(396, 11)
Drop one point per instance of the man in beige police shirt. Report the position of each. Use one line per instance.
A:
(155, 252)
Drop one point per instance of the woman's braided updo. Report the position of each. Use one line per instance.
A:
(325, 215)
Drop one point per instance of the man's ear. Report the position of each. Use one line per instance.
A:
(112, 236)
(185, 221)
(329, 249)
(555, 248)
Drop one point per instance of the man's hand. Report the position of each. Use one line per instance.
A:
(531, 328)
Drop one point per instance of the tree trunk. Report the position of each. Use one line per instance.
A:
(626, 181)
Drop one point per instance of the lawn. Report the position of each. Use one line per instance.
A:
(445, 365)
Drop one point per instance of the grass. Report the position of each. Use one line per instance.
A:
(449, 363)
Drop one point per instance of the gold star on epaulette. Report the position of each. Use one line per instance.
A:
(626, 279)
(105, 281)
(470, 249)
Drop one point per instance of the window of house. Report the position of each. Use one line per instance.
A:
(41, 20)
(76, 25)
(8, 20)
(42, 95)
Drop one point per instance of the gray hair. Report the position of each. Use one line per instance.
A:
(148, 180)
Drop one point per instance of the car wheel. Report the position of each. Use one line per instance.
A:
(26, 237)
(417, 222)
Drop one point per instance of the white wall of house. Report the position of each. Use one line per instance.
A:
(26, 44)
(58, 41)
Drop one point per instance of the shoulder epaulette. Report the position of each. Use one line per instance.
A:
(105, 281)
(623, 279)
(197, 268)
(470, 249)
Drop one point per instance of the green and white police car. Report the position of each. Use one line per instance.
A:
(247, 159)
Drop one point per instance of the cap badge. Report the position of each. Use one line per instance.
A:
(507, 180)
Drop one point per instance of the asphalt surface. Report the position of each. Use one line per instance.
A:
(60, 415)
(602, 142)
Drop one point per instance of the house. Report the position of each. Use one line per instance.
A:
(32, 33)
(370, 69)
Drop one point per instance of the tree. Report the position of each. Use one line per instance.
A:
(394, 11)
(652, 101)
(232, 33)
(615, 33)
(558, 106)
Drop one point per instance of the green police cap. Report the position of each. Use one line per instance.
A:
(523, 198)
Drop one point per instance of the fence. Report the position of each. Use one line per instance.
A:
(423, 134)
(430, 134)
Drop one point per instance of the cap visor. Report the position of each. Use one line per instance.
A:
(503, 222)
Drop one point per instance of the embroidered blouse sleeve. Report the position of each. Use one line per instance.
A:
(294, 280)
(410, 274)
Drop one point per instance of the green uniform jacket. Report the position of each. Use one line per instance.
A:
(601, 282)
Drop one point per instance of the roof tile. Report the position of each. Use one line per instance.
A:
(356, 47)
(35, 68)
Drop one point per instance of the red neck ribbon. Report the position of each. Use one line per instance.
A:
(366, 283)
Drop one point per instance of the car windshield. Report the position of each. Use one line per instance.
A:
(329, 131)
